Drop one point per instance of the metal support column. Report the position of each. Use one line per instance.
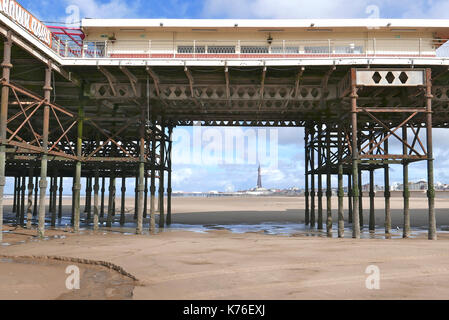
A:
(153, 182)
(53, 188)
(161, 178)
(361, 218)
(79, 150)
(30, 197)
(312, 178)
(136, 192)
(36, 193)
(22, 200)
(430, 174)
(355, 156)
(141, 174)
(306, 175)
(169, 186)
(372, 194)
(6, 67)
(14, 204)
(44, 159)
(406, 189)
(103, 190)
(96, 199)
(328, 182)
(350, 211)
(320, 178)
(387, 193)
(111, 199)
(61, 190)
(19, 181)
(89, 198)
(341, 192)
(145, 196)
(123, 201)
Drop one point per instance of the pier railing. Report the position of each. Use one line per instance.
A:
(251, 49)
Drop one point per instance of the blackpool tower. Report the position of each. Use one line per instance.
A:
(259, 179)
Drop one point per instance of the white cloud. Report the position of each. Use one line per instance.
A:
(294, 9)
(428, 9)
(180, 176)
(110, 9)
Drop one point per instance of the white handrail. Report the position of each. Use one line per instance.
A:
(210, 49)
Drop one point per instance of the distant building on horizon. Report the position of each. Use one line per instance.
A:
(259, 178)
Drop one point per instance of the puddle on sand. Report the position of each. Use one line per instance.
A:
(268, 228)
(294, 230)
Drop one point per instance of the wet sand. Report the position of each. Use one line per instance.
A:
(219, 264)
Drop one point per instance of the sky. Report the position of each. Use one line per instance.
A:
(215, 167)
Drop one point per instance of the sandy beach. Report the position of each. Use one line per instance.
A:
(217, 260)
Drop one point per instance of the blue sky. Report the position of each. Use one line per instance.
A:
(290, 165)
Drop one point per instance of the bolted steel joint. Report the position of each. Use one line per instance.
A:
(6, 65)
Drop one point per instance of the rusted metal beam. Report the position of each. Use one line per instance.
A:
(112, 80)
(156, 80)
(132, 78)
